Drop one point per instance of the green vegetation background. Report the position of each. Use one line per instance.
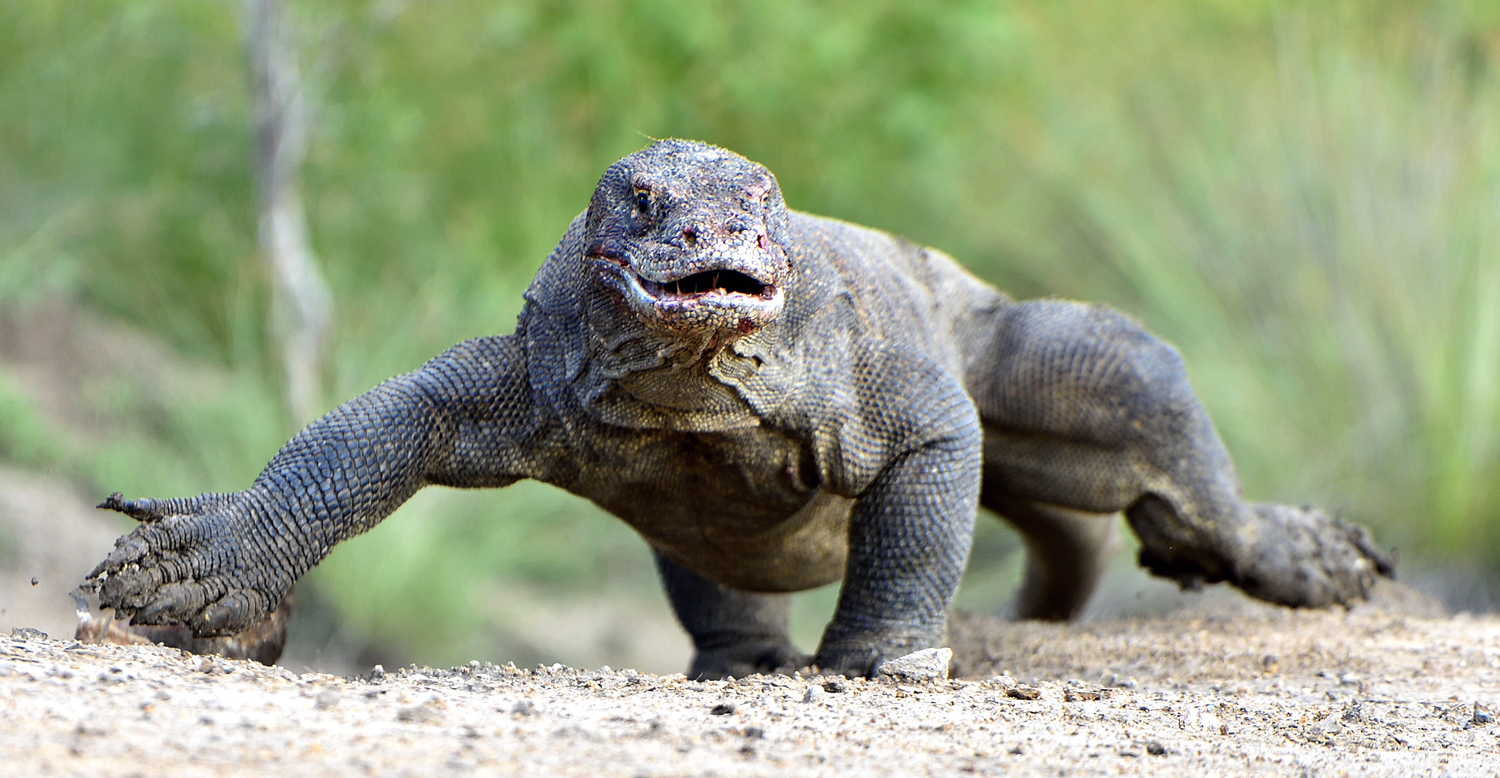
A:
(1302, 196)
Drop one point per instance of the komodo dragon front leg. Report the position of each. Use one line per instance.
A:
(220, 562)
(909, 465)
(1085, 411)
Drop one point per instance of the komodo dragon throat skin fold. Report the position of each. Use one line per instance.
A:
(775, 401)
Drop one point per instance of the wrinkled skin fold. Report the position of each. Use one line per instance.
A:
(774, 401)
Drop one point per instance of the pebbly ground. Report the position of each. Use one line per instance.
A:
(1247, 690)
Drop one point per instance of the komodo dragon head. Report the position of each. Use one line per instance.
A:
(693, 238)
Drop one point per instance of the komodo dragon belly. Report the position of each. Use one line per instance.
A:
(742, 507)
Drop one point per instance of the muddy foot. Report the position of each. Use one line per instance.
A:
(1304, 558)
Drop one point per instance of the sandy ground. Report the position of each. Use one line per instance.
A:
(1268, 692)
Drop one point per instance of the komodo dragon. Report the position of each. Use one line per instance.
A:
(775, 401)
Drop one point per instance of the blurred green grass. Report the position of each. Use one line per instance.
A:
(1302, 196)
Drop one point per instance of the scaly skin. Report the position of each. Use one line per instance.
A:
(775, 401)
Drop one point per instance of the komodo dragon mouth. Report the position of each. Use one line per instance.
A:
(721, 282)
(727, 296)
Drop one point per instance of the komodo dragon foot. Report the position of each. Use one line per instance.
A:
(1299, 557)
(1305, 558)
(193, 562)
(746, 659)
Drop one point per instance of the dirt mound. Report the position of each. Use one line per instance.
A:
(1219, 638)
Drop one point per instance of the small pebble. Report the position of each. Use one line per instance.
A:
(815, 694)
(1329, 726)
(929, 664)
(1023, 692)
(723, 709)
(1482, 714)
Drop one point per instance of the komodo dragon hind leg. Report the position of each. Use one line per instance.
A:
(1085, 410)
(735, 634)
(1067, 552)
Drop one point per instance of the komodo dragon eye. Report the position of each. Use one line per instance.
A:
(643, 200)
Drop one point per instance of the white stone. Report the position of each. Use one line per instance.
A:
(929, 664)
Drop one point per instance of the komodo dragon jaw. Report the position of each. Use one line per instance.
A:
(728, 296)
(689, 253)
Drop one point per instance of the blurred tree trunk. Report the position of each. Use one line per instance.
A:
(301, 303)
